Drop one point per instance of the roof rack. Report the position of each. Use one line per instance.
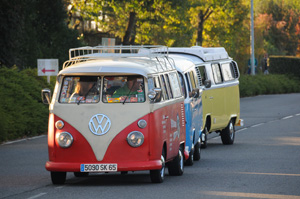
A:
(118, 51)
(153, 52)
(206, 54)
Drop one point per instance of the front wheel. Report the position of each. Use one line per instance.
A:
(158, 176)
(228, 134)
(58, 177)
(176, 166)
(190, 161)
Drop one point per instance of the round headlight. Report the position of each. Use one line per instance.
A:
(135, 139)
(142, 124)
(59, 124)
(64, 139)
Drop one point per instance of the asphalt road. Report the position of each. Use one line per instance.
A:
(264, 162)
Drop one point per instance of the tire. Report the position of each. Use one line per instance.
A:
(81, 174)
(197, 150)
(228, 134)
(158, 176)
(190, 161)
(58, 177)
(204, 141)
(176, 166)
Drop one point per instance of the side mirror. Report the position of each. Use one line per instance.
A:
(207, 83)
(195, 93)
(46, 96)
(155, 95)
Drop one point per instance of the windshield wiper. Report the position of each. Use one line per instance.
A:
(129, 92)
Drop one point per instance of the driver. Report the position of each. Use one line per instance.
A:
(130, 88)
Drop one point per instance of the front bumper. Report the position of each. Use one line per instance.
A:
(122, 166)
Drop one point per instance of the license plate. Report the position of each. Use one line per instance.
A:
(98, 167)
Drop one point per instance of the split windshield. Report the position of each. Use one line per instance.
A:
(115, 89)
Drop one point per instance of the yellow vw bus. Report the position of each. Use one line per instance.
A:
(218, 75)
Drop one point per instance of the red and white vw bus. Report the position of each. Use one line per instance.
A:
(116, 112)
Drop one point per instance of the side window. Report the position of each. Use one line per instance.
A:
(192, 78)
(217, 73)
(227, 72)
(170, 92)
(183, 89)
(156, 82)
(164, 88)
(175, 85)
(188, 82)
(151, 84)
(158, 85)
(201, 74)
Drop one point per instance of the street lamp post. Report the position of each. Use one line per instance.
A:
(252, 41)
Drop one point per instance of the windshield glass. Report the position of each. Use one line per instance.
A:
(121, 89)
(80, 89)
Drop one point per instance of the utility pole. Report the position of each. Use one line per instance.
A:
(252, 41)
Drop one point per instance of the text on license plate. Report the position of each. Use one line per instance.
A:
(98, 167)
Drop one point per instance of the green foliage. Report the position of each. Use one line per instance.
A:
(285, 65)
(34, 29)
(21, 110)
(268, 84)
(281, 26)
(226, 27)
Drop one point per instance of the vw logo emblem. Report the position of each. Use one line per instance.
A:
(99, 124)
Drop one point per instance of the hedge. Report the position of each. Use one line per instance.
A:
(268, 84)
(285, 65)
(22, 113)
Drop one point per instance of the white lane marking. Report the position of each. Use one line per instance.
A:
(38, 195)
(36, 137)
(12, 142)
(287, 117)
(297, 114)
(243, 129)
(21, 140)
(256, 125)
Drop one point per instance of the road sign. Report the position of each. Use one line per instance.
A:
(47, 67)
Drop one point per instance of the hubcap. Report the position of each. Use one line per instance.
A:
(199, 143)
(192, 152)
(181, 160)
(162, 171)
(231, 130)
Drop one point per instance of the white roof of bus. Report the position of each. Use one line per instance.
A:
(182, 63)
(206, 54)
(115, 66)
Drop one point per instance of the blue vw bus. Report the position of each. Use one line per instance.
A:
(192, 104)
